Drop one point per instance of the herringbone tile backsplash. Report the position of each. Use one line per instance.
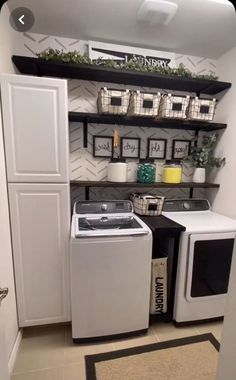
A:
(82, 97)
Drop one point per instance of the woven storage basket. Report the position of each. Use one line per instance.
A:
(144, 104)
(112, 101)
(147, 204)
(202, 109)
(173, 106)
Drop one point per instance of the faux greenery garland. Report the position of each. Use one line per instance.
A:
(133, 64)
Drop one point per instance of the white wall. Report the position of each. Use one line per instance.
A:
(224, 202)
(6, 264)
(224, 199)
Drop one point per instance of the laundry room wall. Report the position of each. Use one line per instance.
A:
(7, 40)
(82, 98)
(223, 201)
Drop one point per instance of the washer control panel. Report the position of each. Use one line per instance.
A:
(105, 207)
(173, 205)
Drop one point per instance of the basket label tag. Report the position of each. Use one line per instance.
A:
(177, 106)
(148, 104)
(204, 109)
(116, 101)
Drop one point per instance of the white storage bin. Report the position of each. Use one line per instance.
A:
(112, 101)
(173, 106)
(158, 301)
(144, 104)
(202, 109)
(147, 204)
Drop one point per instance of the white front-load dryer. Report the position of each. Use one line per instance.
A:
(204, 259)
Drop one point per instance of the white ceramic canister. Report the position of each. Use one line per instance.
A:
(117, 171)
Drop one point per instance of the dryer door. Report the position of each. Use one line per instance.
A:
(209, 265)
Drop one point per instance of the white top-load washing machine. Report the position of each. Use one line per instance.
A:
(110, 255)
(204, 260)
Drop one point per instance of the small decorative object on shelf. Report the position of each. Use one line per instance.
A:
(173, 106)
(172, 172)
(144, 104)
(103, 146)
(181, 149)
(203, 157)
(159, 170)
(116, 138)
(147, 204)
(130, 147)
(199, 175)
(117, 170)
(146, 171)
(156, 148)
(201, 109)
(132, 171)
(113, 102)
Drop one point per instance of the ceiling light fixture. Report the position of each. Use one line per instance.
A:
(157, 12)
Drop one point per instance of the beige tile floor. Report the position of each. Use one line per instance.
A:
(48, 353)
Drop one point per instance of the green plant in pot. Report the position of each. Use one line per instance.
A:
(203, 157)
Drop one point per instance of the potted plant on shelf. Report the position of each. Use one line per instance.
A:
(202, 157)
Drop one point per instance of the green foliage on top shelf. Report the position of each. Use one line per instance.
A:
(133, 64)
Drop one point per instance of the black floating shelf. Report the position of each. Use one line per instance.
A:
(40, 67)
(144, 122)
(185, 185)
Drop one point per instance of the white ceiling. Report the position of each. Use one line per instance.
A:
(204, 28)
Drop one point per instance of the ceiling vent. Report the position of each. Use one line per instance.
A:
(157, 12)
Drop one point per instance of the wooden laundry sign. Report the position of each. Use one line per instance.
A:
(158, 304)
(118, 53)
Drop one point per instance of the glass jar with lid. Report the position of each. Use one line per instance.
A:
(146, 171)
(172, 171)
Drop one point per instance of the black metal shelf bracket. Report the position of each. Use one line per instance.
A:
(85, 132)
(86, 192)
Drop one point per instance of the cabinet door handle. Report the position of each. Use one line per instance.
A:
(3, 293)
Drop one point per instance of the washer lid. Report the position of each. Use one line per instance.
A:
(202, 221)
(89, 225)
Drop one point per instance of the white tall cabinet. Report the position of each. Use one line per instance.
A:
(35, 119)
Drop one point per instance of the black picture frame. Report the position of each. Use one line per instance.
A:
(158, 156)
(184, 149)
(136, 150)
(106, 140)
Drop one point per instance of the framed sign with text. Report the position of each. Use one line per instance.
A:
(156, 148)
(130, 147)
(103, 146)
(181, 149)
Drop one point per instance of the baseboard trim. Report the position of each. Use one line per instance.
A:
(13, 356)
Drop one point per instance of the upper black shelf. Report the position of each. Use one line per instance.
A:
(83, 117)
(40, 67)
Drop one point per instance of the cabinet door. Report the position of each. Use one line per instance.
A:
(40, 236)
(35, 119)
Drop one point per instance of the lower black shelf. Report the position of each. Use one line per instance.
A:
(135, 185)
(185, 185)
